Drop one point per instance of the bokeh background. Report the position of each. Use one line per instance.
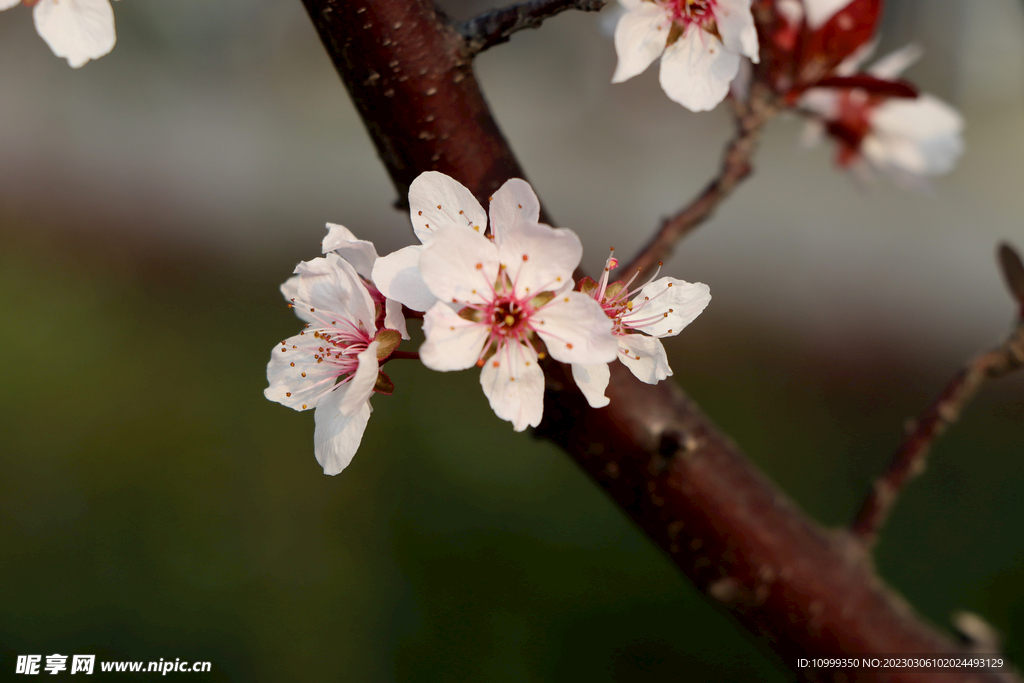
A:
(154, 504)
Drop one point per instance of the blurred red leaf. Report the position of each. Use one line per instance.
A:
(823, 50)
(871, 84)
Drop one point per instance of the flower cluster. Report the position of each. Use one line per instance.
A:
(500, 299)
(879, 122)
(813, 51)
(78, 30)
(907, 139)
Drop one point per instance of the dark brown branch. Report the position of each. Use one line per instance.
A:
(404, 355)
(750, 120)
(909, 459)
(495, 27)
(803, 590)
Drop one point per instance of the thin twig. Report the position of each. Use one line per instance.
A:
(909, 459)
(751, 118)
(495, 27)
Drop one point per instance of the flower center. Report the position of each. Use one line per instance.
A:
(615, 308)
(334, 340)
(508, 316)
(686, 12)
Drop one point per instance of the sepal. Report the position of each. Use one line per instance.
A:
(384, 384)
(388, 341)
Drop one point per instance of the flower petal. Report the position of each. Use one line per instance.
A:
(821, 101)
(576, 330)
(514, 201)
(437, 200)
(360, 253)
(394, 319)
(337, 435)
(78, 30)
(792, 11)
(290, 289)
(852, 64)
(592, 381)
(645, 357)
(736, 26)
(453, 343)
(539, 258)
(921, 136)
(295, 377)
(818, 12)
(8, 4)
(696, 70)
(398, 277)
(514, 384)
(667, 305)
(460, 265)
(359, 389)
(640, 36)
(893, 64)
(332, 285)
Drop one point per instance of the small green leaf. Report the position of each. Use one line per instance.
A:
(389, 341)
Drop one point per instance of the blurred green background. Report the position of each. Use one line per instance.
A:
(156, 505)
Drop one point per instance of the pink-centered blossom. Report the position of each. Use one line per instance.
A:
(905, 139)
(78, 30)
(699, 41)
(333, 365)
(640, 317)
(437, 201)
(500, 302)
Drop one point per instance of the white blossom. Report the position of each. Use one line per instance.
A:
(641, 318)
(699, 41)
(499, 302)
(362, 256)
(907, 139)
(78, 30)
(435, 201)
(333, 365)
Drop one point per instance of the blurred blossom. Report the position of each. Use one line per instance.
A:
(78, 30)
(907, 139)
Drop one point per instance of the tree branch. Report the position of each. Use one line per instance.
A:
(495, 27)
(909, 459)
(803, 590)
(750, 121)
